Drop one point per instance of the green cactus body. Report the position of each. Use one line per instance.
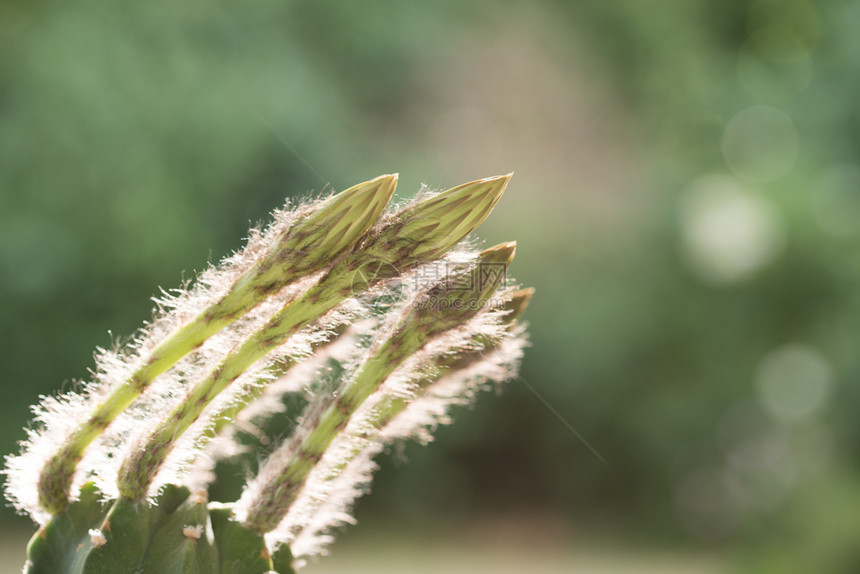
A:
(178, 534)
(273, 309)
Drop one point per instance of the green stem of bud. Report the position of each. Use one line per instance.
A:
(419, 234)
(228, 415)
(446, 365)
(415, 330)
(308, 246)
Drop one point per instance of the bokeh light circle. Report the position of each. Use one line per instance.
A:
(760, 144)
(836, 201)
(794, 382)
(728, 233)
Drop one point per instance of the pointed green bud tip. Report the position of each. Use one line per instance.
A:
(518, 303)
(341, 220)
(492, 267)
(481, 195)
(439, 223)
(373, 194)
(502, 253)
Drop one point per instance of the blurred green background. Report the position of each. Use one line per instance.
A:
(686, 200)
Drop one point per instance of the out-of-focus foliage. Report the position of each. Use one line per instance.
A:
(687, 199)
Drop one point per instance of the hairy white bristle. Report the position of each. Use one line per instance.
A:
(323, 358)
(345, 470)
(58, 416)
